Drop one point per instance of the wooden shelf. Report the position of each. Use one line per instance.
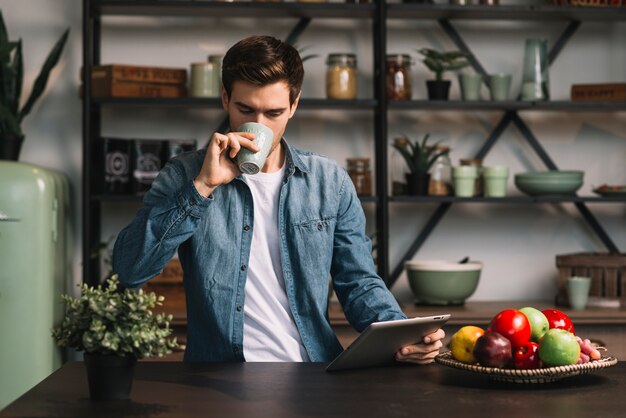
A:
(480, 313)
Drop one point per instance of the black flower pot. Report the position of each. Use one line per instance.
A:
(110, 377)
(417, 183)
(438, 89)
(10, 147)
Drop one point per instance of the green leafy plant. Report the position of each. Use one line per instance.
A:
(440, 62)
(12, 74)
(418, 156)
(104, 320)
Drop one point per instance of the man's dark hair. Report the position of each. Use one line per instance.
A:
(263, 60)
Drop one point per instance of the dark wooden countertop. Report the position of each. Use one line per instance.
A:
(277, 390)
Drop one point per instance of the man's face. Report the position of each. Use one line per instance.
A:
(268, 105)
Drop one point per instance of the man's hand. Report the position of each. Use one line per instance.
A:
(423, 352)
(218, 167)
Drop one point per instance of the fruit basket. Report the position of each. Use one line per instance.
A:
(543, 375)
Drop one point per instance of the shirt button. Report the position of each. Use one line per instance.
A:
(239, 308)
(243, 267)
(246, 228)
(320, 226)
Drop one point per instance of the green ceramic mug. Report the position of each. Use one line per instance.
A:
(500, 85)
(464, 178)
(470, 86)
(251, 162)
(496, 179)
(578, 291)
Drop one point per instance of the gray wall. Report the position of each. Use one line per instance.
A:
(517, 243)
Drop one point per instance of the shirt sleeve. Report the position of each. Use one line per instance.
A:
(360, 290)
(170, 215)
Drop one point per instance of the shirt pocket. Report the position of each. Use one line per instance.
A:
(314, 244)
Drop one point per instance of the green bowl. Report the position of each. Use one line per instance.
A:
(552, 175)
(440, 282)
(548, 186)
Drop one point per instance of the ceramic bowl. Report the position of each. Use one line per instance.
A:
(548, 186)
(552, 175)
(439, 282)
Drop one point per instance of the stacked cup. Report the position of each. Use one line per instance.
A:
(496, 179)
(464, 178)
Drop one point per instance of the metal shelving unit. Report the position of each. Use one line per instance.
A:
(443, 15)
(95, 10)
(379, 13)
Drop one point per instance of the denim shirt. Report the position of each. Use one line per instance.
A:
(321, 231)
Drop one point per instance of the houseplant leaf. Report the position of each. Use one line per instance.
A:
(42, 78)
(406, 154)
(18, 73)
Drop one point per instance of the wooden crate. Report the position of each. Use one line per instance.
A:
(607, 273)
(169, 284)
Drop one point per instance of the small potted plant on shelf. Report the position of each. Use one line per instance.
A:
(12, 74)
(114, 328)
(419, 158)
(439, 63)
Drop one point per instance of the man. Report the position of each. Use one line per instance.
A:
(257, 249)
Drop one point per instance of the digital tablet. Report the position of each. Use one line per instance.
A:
(379, 342)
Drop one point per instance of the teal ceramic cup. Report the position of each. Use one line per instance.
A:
(470, 86)
(495, 180)
(500, 85)
(250, 162)
(201, 82)
(464, 179)
(578, 291)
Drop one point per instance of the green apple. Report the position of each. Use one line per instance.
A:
(539, 324)
(558, 347)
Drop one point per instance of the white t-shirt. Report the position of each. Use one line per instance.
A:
(269, 331)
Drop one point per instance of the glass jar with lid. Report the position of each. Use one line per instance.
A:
(361, 175)
(440, 183)
(398, 77)
(341, 76)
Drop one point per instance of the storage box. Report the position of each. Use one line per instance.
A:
(169, 284)
(607, 273)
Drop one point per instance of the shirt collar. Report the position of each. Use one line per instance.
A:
(293, 160)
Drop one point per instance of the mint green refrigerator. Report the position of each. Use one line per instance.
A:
(34, 272)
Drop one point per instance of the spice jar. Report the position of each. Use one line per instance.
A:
(478, 163)
(398, 77)
(440, 173)
(360, 174)
(341, 76)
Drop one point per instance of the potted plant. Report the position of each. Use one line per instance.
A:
(114, 328)
(419, 157)
(12, 74)
(439, 63)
